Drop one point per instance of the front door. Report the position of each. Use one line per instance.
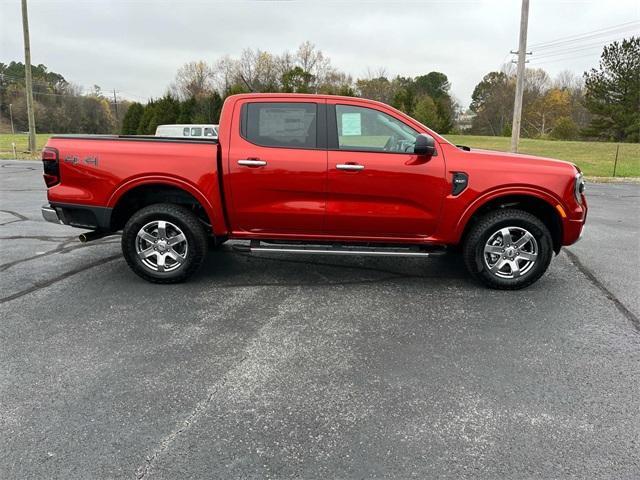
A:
(278, 168)
(377, 186)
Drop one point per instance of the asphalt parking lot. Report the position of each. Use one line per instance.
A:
(315, 367)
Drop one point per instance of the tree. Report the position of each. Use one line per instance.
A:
(376, 86)
(434, 84)
(565, 129)
(193, 79)
(541, 114)
(613, 92)
(492, 102)
(426, 112)
(132, 119)
(166, 111)
(145, 126)
(296, 80)
(96, 115)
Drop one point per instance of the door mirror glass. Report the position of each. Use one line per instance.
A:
(425, 145)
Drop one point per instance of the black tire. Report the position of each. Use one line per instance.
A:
(194, 246)
(474, 249)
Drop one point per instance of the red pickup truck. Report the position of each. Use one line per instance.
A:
(315, 174)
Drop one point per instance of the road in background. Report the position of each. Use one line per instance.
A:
(314, 367)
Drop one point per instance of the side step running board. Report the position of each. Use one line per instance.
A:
(341, 249)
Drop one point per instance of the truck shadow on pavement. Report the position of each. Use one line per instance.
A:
(229, 268)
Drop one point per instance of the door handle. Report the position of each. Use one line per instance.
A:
(349, 166)
(252, 162)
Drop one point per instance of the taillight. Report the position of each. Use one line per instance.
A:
(51, 166)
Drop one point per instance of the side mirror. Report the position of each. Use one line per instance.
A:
(425, 145)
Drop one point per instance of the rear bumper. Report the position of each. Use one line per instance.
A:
(81, 216)
(49, 214)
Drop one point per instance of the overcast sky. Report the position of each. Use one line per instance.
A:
(136, 46)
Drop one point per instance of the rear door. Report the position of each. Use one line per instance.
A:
(278, 167)
(377, 186)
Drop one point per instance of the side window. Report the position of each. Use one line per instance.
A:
(196, 131)
(185, 132)
(288, 125)
(366, 129)
(208, 132)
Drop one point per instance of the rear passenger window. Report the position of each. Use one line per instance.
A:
(185, 132)
(196, 131)
(288, 125)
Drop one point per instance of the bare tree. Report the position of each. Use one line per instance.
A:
(194, 79)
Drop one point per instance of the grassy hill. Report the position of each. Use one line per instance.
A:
(596, 159)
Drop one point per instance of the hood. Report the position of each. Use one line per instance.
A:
(519, 161)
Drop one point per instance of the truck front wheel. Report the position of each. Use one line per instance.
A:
(508, 249)
(164, 243)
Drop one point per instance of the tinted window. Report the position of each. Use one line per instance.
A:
(196, 131)
(367, 129)
(185, 132)
(208, 132)
(290, 125)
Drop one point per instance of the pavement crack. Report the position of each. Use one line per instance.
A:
(203, 405)
(19, 216)
(61, 248)
(18, 167)
(43, 238)
(166, 442)
(635, 321)
(51, 281)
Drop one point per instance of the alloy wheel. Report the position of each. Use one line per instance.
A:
(161, 246)
(510, 252)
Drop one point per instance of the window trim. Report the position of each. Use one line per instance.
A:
(321, 125)
(332, 131)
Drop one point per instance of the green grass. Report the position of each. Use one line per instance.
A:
(595, 159)
(22, 145)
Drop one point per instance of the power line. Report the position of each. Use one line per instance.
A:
(582, 43)
(593, 33)
(564, 59)
(555, 53)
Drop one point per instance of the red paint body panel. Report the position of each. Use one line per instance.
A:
(121, 165)
(396, 195)
(300, 195)
(287, 195)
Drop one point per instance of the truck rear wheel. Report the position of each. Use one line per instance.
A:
(508, 249)
(164, 243)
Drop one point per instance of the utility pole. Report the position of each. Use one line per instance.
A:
(28, 84)
(522, 58)
(11, 118)
(115, 103)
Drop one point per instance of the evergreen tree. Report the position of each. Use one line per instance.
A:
(132, 119)
(613, 92)
(145, 126)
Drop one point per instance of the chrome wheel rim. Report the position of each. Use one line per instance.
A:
(161, 246)
(510, 252)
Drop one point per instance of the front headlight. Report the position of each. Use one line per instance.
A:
(579, 187)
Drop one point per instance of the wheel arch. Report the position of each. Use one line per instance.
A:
(133, 196)
(540, 204)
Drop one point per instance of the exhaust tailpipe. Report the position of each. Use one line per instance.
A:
(91, 236)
